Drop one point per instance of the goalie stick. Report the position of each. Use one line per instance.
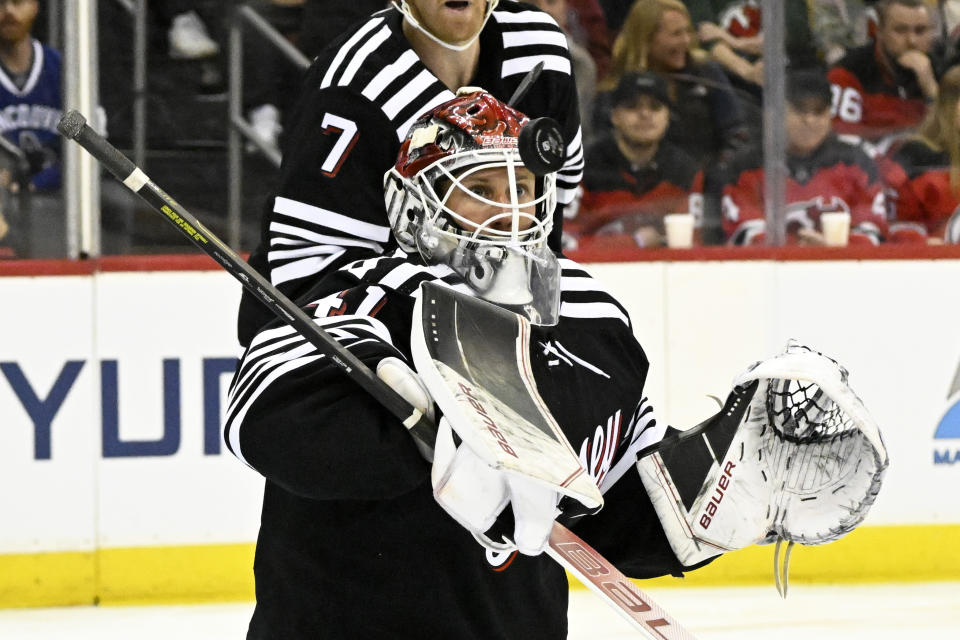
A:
(74, 126)
(566, 548)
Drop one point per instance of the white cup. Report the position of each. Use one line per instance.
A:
(679, 227)
(836, 228)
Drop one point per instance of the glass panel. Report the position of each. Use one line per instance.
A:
(867, 138)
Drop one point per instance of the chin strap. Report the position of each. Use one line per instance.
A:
(404, 8)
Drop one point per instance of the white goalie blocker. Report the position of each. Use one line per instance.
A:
(473, 358)
(794, 455)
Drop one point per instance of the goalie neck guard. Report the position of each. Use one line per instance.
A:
(460, 195)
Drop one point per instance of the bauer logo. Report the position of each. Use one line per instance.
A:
(948, 428)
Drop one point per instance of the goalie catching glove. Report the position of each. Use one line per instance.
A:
(793, 455)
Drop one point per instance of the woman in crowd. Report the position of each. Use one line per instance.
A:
(923, 174)
(657, 36)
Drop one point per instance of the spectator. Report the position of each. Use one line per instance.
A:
(731, 30)
(633, 177)
(825, 173)
(882, 89)
(584, 68)
(30, 104)
(657, 37)
(923, 174)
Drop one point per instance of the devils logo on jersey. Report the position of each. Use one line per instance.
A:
(742, 19)
(805, 214)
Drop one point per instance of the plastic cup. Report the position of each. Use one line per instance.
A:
(679, 227)
(835, 226)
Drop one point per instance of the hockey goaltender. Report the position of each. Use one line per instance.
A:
(361, 538)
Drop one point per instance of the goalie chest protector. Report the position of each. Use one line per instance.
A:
(373, 517)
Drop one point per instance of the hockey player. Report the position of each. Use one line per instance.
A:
(357, 102)
(353, 542)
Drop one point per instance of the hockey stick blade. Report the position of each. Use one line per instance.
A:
(474, 358)
(525, 84)
(74, 126)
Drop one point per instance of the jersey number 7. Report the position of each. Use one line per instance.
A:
(347, 134)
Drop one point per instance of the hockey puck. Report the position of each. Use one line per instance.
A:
(541, 146)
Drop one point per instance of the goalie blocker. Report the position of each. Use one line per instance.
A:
(792, 455)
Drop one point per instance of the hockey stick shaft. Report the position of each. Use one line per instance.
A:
(74, 126)
(581, 560)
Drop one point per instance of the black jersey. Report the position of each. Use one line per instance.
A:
(359, 98)
(352, 543)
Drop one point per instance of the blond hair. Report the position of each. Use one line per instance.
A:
(941, 128)
(631, 49)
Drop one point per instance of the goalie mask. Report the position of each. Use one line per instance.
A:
(461, 195)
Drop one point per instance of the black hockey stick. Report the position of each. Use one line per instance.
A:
(591, 568)
(74, 126)
(525, 84)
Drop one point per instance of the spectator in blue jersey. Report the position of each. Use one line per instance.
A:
(30, 107)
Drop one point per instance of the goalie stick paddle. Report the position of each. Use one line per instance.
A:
(566, 548)
(474, 358)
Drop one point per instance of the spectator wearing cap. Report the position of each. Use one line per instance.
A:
(633, 175)
(824, 173)
(658, 36)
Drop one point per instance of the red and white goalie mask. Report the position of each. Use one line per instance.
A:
(461, 195)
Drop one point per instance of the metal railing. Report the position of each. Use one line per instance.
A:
(138, 10)
(240, 130)
(81, 178)
(82, 92)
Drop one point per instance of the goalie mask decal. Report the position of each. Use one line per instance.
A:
(461, 195)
